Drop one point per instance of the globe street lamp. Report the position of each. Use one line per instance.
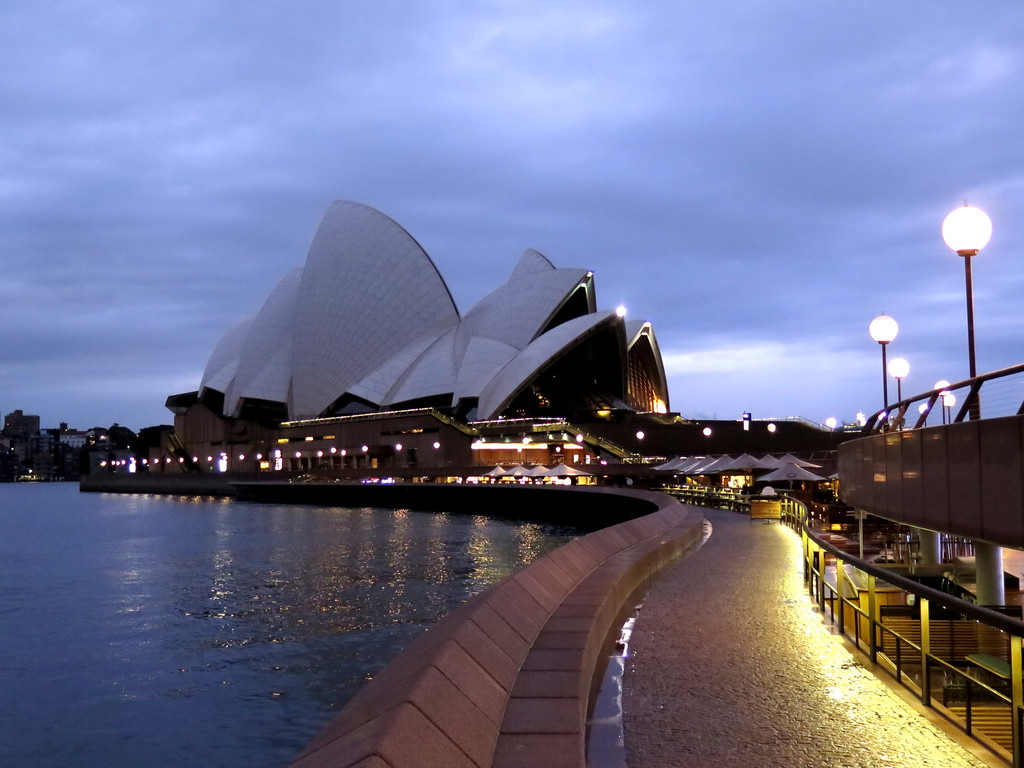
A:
(898, 369)
(967, 230)
(942, 385)
(948, 401)
(883, 329)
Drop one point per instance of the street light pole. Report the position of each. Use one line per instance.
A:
(883, 329)
(967, 230)
(898, 369)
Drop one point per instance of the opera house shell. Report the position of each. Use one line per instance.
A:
(368, 325)
(361, 359)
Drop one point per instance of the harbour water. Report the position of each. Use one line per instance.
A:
(170, 631)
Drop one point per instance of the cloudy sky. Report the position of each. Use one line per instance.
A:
(758, 179)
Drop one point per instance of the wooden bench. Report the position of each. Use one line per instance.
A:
(766, 509)
(951, 641)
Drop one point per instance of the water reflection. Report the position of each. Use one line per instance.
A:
(148, 626)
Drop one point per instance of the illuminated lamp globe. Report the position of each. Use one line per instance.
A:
(831, 422)
(967, 230)
(883, 329)
(941, 385)
(899, 368)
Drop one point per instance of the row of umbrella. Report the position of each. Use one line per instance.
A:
(560, 470)
(787, 467)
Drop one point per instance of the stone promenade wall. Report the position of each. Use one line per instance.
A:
(507, 679)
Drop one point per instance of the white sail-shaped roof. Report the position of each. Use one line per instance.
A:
(431, 373)
(517, 312)
(514, 377)
(223, 362)
(265, 368)
(369, 319)
(368, 289)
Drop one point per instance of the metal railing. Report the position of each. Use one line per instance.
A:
(706, 496)
(1003, 396)
(960, 659)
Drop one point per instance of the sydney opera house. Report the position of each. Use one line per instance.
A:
(360, 358)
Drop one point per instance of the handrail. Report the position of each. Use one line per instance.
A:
(894, 416)
(933, 692)
(971, 610)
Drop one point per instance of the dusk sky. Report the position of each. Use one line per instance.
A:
(757, 179)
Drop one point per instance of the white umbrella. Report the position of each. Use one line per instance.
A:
(539, 471)
(745, 461)
(565, 471)
(790, 471)
(715, 466)
(498, 471)
(671, 464)
(519, 471)
(789, 458)
(697, 466)
(680, 463)
(686, 466)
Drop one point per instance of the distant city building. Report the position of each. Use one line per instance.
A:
(28, 452)
(42, 451)
(21, 425)
(72, 438)
(8, 465)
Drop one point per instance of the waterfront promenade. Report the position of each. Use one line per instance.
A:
(730, 665)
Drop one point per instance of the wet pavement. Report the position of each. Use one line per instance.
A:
(730, 665)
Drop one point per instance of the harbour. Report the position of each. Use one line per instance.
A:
(153, 630)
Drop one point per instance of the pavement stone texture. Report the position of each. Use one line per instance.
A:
(730, 665)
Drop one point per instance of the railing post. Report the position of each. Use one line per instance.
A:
(926, 649)
(821, 582)
(807, 558)
(1016, 700)
(872, 621)
(840, 575)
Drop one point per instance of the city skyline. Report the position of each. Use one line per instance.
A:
(758, 182)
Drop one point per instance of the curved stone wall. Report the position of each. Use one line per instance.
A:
(507, 679)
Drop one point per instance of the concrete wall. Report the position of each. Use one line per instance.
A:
(507, 679)
(966, 478)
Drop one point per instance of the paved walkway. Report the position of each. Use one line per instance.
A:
(730, 666)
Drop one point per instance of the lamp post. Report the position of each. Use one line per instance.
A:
(883, 329)
(948, 401)
(942, 385)
(967, 230)
(898, 369)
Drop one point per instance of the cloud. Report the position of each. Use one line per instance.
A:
(756, 179)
